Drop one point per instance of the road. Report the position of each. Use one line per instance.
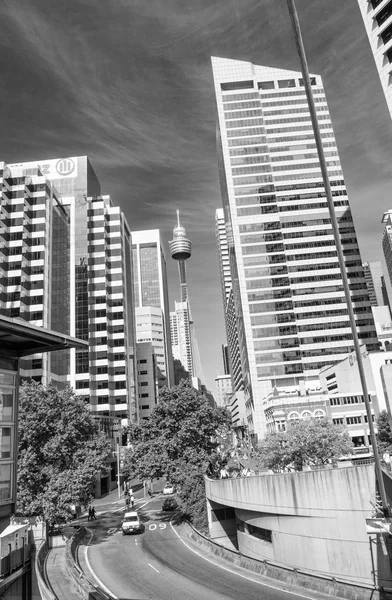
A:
(159, 565)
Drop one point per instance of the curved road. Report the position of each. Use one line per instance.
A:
(159, 565)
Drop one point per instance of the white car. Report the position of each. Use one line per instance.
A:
(168, 489)
(131, 523)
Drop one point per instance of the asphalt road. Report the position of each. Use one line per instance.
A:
(159, 565)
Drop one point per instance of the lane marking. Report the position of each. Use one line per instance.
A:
(274, 587)
(153, 567)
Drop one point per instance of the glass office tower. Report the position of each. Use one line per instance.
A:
(152, 300)
(287, 299)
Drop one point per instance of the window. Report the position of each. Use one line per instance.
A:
(266, 85)
(260, 533)
(144, 383)
(338, 421)
(145, 406)
(312, 81)
(5, 482)
(82, 384)
(142, 361)
(120, 385)
(143, 372)
(236, 85)
(353, 420)
(286, 83)
(5, 442)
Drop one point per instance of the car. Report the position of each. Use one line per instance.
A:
(131, 523)
(169, 504)
(168, 489)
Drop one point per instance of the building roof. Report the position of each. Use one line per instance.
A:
(19, 338)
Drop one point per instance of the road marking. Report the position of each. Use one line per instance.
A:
(102, 585)
(112, 530)
(152, 527)
(153, 567)
(274, 587)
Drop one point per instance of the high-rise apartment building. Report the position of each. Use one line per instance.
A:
(152, 300)
(94, 290)
(180, 335)
(287, 298)
(377, 17)
(34, 263)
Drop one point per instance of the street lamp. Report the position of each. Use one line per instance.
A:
(323, 165)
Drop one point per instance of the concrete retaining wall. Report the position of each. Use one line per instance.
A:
(289, 576)
(45, 591)
(314, 520)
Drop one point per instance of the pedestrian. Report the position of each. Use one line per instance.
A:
(149, 493)
(127, 502)
(89, 514)
(93, 517)
(132, 501)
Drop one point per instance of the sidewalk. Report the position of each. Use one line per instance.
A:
(55, 566)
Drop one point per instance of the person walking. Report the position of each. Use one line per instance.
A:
(93, 517)
(132, 501)
(89, 514)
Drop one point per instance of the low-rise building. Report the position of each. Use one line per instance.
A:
(292, 404)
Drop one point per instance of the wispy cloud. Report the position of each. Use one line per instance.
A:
(129, 83)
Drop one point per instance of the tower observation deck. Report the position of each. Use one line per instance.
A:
(181, 250)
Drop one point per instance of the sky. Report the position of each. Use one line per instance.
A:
(129, 83)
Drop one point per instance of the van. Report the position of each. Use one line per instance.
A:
(131, 523)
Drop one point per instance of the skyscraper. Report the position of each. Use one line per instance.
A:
(34, 263)
(377, 17)
(94, 290)
(375, 283)
(287, 299)
(181, 320)
(152, 300)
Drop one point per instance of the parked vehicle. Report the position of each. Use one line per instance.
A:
(168, 489)
(131, 523)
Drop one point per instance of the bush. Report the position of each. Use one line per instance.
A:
(169, 504)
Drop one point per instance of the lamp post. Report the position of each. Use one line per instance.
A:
(323, 166)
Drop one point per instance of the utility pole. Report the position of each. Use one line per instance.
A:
(323, 165)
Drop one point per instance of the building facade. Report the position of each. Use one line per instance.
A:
(34, 262)
(224, 390)
(152, 300)
(288, 301)
(377, 17)
(375, 282)
(75, 278)
(342, 384)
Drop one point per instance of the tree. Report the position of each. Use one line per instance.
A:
(305, 442)
(177, 443)
(60, 452)
(384, 433)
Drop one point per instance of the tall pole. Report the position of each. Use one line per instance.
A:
(335, 227)
(118, 471)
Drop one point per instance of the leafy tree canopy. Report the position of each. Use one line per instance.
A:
(60, 452)
(384, 433)
(177, 442)
(305, 442)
